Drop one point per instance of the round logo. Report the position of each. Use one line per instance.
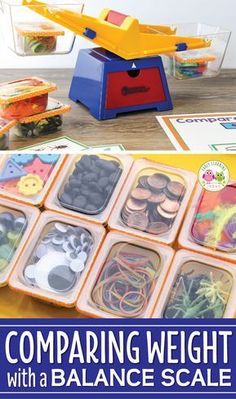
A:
(213, 176)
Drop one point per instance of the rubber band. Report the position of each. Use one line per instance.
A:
(126, 281)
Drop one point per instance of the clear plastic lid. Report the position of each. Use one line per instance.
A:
(200, 291)
(59, 258)
(44, 123)
(38, 29)
(13, 224)
(127, 280)
(25, 175)
(17, 90)
(154, 201)
(90, 184)
(5, 125)
(214, 223)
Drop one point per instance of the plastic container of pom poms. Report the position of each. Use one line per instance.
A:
(210, 223)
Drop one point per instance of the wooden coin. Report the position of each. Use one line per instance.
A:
(135, 205)
(170, 206)
(157, 228)
(157, 198)
(166, 215)
(176, 189)
(138, 220)
(142, 181)
(158, 181)
(141, 194)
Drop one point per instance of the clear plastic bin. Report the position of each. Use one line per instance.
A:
(5, 126)
(200, 63)
(28, 33)
(89, 185)
(197, 287)
(57, 259)
(210, 224)
(28, 177)
(24, 97)
(16, 223)
(50, 121)
(153, 201)
(126, 278)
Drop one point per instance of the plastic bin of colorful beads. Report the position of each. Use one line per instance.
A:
(28, 33)
(210, 224)
(44, 123)
(28, 177)
(16, 223)
(57, 259)
(198, 287)
(126, 278)
(205, 62)
(153, 201)
(25, 97)
(89, 185)
(5, 126)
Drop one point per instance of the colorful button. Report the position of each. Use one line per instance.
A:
(11, 171)
(30, 185)
(49, 158)
(23, 159)
(39, 168)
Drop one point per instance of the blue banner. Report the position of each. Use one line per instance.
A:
(117, 359)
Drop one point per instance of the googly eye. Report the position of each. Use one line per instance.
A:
(41, 250)
(77, 265)
(71, 255)
(83, 256)
(29, 272)
(61, 228)
(58, 239)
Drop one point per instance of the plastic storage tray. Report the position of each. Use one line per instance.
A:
(44, 123)
(89, 185)
(205, 62)
(16, 224)
(198, 287)
(25, 97)
(210, 224)
(29, 34)
(153, 201)
(5, 126)
(126, 278)
(28, 177)
(57, 259)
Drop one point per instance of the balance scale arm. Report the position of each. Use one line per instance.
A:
(128, 39)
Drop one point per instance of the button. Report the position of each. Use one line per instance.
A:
(23, 159)
(49, 158)
(11, 171)
(30, 185)
(39, 168)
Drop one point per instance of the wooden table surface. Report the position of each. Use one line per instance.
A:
(139, 130)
